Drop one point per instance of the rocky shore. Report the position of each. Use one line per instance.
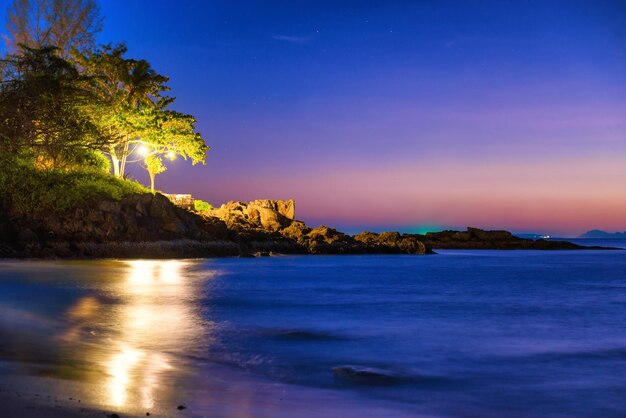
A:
(146, 225)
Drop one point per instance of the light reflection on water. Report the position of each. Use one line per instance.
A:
(489, 334)
(126, 332)
(142, 319)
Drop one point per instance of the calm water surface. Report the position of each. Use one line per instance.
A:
(462, 333)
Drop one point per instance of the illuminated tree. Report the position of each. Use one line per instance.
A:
(172, 134)
(154, 165)
(132, 91)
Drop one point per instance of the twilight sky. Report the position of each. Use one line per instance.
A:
(398, 114)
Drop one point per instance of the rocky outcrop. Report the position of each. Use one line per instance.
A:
(149, 225)
(394, 241)
(146, 225)
(478, 239)
(265, 214)
(275, 220)
(136, 218)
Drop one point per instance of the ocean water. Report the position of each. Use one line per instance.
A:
(457, 334)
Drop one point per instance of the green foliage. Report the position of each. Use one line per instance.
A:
(41, 191)
(133, 95)
(45, 106)
(175, 133)
(201, 206)
(154, 164)
(64, 108)
(96, 160)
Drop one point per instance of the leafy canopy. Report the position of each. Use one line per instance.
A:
(46, 109)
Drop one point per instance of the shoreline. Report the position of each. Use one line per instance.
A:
(151, 226)
(187, 256)
(221, 396)
(162, 250)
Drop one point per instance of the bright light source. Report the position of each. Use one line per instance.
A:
(171, 155)
(142, 150)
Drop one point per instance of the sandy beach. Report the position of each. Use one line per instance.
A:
(242, 396)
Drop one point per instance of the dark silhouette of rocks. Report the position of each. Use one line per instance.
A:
(150, 226)
(478, 239)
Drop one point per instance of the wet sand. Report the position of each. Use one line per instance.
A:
(232, 395)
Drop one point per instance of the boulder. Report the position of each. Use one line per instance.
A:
(271, 215)
(393, 242)
(285, 208)
(296, 230)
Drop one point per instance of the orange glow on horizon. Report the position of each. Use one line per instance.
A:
(569, 196)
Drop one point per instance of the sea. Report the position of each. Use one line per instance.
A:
(456, 334)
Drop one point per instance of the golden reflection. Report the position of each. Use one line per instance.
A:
(80, 314)
(154, 317)
(85, 308)
(119, 369)
(150, 322)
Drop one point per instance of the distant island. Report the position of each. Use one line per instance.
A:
(599, 234)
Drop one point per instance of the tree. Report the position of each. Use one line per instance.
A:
(45, 107)
(170, 135)
(133, 93)
(154, 165)
(174, 133)
(66, 24)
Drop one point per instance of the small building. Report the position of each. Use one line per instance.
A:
(182, 200)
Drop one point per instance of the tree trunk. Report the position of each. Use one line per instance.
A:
(116, 163)
(152, 175)
(124, 155)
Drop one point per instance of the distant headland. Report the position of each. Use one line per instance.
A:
(599, 234)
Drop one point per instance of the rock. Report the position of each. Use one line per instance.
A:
(489, 235)
(285, 208)
(326, 234)
(393, 242)
(27, 237)
(265, 214)
(147, 225)
(474, 238)
(296, 230)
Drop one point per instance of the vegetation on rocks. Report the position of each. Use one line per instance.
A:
(33, 191)
(201, 206)
(73, 115)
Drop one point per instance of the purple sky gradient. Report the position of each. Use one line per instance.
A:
(409, 115)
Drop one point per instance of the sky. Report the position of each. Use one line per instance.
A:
(408, 115)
